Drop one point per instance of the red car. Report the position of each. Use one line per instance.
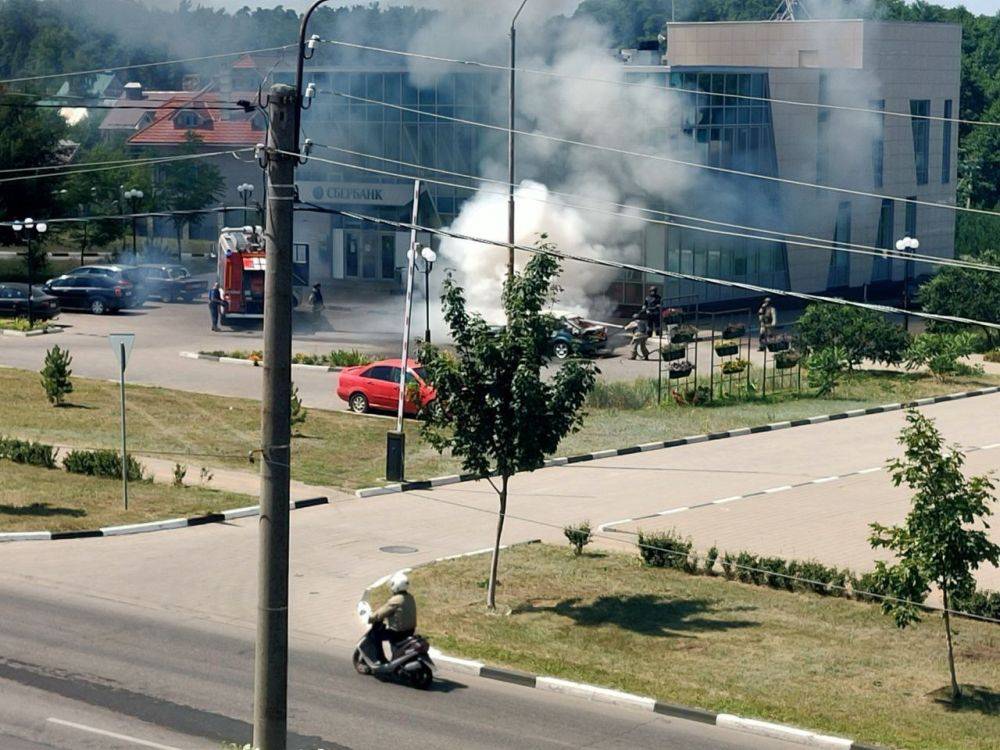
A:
(376, 386)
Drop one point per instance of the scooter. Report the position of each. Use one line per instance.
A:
(410, 660)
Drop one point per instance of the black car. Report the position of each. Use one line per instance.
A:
(94, 292)
(169, 282)
(120, 274)
(14, 302)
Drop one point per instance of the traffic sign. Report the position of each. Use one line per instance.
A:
(121, 343)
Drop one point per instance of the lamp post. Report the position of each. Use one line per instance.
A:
(29, 226)
(429, 256)
(907, 245)
(245, 191)
(133, 196)
(510, 144)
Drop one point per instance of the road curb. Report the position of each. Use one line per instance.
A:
(24, 334)
(614, 697)
(150, 526)
(427, 484)
(251, 363)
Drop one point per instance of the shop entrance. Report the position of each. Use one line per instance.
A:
(369, 255)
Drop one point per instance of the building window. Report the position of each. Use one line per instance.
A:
(946, 144)
(882, 267)
(911, 216)
(920, 110)
(878, 143)
(840, 262)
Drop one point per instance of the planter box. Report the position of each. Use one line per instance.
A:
(683, 335)
(778, 346)
(787, 360)
(727, 350)
(672, 315)
(680, 372)
(669, 354)
(734, 331)
(733, 370)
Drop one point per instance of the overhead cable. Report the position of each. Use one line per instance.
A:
(160, 160)
(658, 157)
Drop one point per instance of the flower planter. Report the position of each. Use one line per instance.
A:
(680, 370)
(683, 334)
(734, 367)
(778, 345)
(734, 331)
(727, 350)
(672, 315)
(671, 353)
(787, 360)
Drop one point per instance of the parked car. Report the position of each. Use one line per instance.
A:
(170, 282)
(579, 336)
(94, 292)
(120, 274)
(14, 302)
(376, 386)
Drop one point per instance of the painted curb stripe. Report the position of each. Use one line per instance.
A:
(692, 440)
(508, 675)
(684, 712)
(144, 528)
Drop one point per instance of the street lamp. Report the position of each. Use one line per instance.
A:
(29, 226)
(245, 191)
(907, 245)
(133, 196)
(429, 256)
(510, 145)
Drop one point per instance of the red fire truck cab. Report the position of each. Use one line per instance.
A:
(241, 272)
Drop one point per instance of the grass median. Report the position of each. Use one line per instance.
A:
(829, 665)
(38, 499)
(346, 451)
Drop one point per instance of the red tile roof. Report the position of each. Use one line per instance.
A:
(219, 127)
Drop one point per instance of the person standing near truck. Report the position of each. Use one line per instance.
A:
(216, 305)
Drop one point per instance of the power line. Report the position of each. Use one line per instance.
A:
(138, 66)
(678, 89)
(138, 215)
(818, 243)
(621, 266)
(148, 108)
(160, 160)
(657, 157)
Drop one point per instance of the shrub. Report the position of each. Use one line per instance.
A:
(55, 375)
(981, 602)
(775, 573)
(940, 352)
(298, 412)
(728, 568)
(710, 559)
(861, 334)
(348, 358)
(747, 568)
(820, 578)
(102, 463)
(180, 471)
(664, 550)
(826, 367)
(579, 536)
(992, 356)
(28, 452)
(22, 324)
(868, 583)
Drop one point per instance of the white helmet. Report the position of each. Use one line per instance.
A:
(399, 583)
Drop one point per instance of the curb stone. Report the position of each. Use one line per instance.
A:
(23, 334)
(143, 528)
(248, 362)
(427, 484)
(617, 697)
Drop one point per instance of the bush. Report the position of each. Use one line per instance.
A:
(710, 559)
(868, 583)
(665, 550)
(940, 352)
(861, 334)
(775, 573)
(820, 578)
(55, 375)
(981, 602)
(993, 356)
(22, 324)
(297, 413)
(825, 369)
(347, 358)
(579, 536)
(102, 463)
(27, 452)
(728, 568)
(180, 471)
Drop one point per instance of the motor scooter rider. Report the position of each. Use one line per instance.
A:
(396, 620)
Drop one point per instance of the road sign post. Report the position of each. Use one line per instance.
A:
(121, 344)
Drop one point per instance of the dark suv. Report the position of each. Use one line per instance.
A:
(169, 282)
(90, 291)
(125, 276)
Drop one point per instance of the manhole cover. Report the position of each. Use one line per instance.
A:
(398, 549)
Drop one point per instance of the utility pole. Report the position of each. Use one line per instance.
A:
(270, 711)
(510, 145)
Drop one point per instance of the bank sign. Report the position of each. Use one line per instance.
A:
(357, 193)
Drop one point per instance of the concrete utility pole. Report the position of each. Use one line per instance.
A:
(270, 710)
(510, 144)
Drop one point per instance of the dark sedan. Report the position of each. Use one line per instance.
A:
(14, 302)
(123, 276)
(169, 282)
(94, 292)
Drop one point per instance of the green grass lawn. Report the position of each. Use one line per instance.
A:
(830, 665)
(37, 499)
(346, 451)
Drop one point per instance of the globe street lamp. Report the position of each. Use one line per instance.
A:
(133, 197)
(29, 227)
(907, 245)
(245, 191)
(429, 256)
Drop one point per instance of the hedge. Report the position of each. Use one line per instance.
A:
(101, 463)
(27, 452)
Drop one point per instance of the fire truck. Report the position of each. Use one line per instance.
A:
(242, 264)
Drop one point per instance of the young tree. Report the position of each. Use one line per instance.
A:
(494, 410)
(943, 539)
(55, 375)
(190, 185)
(298, 412)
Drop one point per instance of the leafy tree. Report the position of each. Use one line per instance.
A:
(190, 185)
(944, 538)
(825, 368)
(55, 375)
(966, 293)
(494, 410)
(28, 138)
(862, 334)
